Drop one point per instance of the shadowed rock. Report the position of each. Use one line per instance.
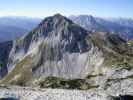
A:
(10, 98)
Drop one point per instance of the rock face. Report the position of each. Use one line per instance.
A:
(60, 54)
(5, 48)
(57, 47)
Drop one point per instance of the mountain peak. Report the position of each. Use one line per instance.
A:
(61, 54)
(55, 40)
(58, 15)
(55, 19)
(67, 31)
(58, 32)
(61, 26)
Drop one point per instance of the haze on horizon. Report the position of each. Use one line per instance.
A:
(43, 8)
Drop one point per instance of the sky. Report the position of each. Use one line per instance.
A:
(43, 8)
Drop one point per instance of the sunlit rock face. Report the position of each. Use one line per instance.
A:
(58, 47)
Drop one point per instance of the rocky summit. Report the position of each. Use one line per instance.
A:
(62, 55)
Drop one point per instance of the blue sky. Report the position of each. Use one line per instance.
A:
(42, 8)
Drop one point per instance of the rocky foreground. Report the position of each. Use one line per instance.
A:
(25, 93)
(28, 93)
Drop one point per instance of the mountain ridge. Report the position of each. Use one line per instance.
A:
(66, 36)
(123, 27)
(61, 54)
(18, 26)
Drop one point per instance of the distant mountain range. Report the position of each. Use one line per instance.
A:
(121, 26)
(13, 27)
